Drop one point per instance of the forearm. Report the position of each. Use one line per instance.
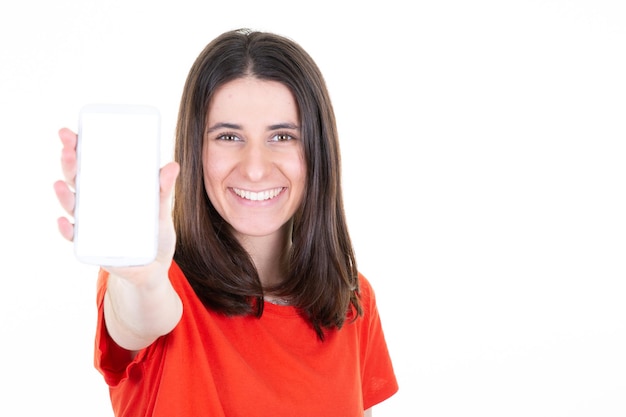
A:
(136, 315)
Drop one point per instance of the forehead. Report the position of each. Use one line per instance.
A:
(253, 100)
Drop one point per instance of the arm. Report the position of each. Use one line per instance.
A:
(140, 304)
(137, 314)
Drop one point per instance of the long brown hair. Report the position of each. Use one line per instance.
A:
(322, 278)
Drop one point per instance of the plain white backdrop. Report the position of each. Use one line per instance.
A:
(484, 149)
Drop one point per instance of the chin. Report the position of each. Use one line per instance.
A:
(259, 229)
(255, 230)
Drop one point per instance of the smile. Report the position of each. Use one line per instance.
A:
(260, 196)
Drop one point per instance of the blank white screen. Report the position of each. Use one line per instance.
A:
(117, 187)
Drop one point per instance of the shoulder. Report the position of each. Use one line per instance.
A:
(365, 287)
(364, 284)
(367, 295)
(181, 285)
(176, 274)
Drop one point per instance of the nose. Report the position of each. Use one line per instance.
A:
(256, 162)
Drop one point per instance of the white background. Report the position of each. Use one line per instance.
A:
(484, 171)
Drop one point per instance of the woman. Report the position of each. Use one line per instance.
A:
(254, 305)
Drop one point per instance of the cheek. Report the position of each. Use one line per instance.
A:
(298, 173)
(212, 173)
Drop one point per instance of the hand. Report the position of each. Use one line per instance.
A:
(65, 192)
(65, 189)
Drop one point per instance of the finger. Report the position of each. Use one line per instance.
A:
(65, 196)
(167, 178)
(66, 228)
(68, 155)
(167, 240)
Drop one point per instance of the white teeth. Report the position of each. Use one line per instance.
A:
(260, 196)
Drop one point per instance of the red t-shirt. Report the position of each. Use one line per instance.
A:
(242, 366)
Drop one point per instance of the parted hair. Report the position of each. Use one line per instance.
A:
(322, 276)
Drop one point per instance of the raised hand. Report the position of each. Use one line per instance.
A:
(140, 304)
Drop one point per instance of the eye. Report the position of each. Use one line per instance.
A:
(228, 137)
(282, 137)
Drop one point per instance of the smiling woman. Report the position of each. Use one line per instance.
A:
(254, 301)
(254, 168)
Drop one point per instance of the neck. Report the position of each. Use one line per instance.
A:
(270, 254)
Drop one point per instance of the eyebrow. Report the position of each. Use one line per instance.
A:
(217, 126)
(234, 126)
(283, 126)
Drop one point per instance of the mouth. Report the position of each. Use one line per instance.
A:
(258, 196)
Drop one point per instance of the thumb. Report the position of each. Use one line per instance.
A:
(167, 179)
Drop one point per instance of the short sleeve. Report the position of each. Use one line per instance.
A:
(378, 376)
(111, 360)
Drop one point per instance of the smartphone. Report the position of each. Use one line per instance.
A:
(116, 215)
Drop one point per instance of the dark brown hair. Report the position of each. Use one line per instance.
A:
(322, 278)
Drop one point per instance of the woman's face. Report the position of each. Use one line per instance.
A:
(253, 158)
